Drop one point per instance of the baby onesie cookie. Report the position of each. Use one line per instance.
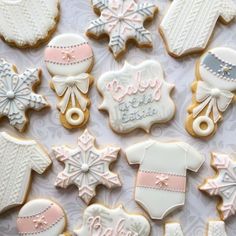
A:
(188, 25)
(69, 58)
(99, 220)
(17, 159)
(136, 97)
(87, 167)
(215, 228)
(17, 94)
(213, 91)
(162, 178)
(41, 217)
(223, 184)
(27, 23)
(122, 21)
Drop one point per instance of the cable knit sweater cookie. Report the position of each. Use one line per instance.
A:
(17, 94)
(122, 20)
(27, 23)
(188, 25)
(17, 158)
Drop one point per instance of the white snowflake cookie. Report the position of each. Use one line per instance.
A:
(17, 95)
(27, 23)
(86, 166)
(213, 91)
(188, 25)
(17, 158)
(215, 228)
(99, 220)
(41, 217)
(122, 20)
(223, 185)
(69, 58)
(136, 97)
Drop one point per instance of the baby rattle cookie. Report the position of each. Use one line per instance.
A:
(161, 180)
(70, 58)
(188, 25)
(28, 23)
(122, 21)
(213, 91)
(17, 94)
(136, 97)
(17, 158)
(215, 228)
(223, 184)
(41, 217)
(99, 220)
(86, 166)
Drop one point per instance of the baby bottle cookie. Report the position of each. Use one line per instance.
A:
(69, 58)
(213, 91)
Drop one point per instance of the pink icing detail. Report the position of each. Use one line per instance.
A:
(66, 56)
(43, 221)
(119, 92)
(161, 181)
(96, 228)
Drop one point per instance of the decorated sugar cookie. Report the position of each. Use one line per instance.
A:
(186, 28)
(87, 167)
(27, 23)
(122, 20)
(69, 58)
(17, 94)
(17, 158)
(41, 217)
(213, 91)
(223, 184)
(99, 220)
(162, 174)
(136, 97)
(215, 228)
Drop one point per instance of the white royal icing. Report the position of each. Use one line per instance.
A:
(99, 220)
(215, 228)
(86, 166)
(26, 22)
(122, 20)
(162, 177)
(16, 94)
(17, 158)
(136, 96)
(188, 24)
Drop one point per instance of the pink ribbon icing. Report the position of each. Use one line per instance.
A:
(162, 181)
(68, 55)
(40, 222)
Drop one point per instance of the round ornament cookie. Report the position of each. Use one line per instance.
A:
(41, 217)
(213, 91)
(28, 23)
(69, 58)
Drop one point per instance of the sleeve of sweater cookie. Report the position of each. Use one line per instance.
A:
(228, 10)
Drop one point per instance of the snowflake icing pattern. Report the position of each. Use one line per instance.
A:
(86, 167)
(16, 95)
(224, 184)
(122, 20)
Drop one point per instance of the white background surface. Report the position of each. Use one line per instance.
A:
(46, 129)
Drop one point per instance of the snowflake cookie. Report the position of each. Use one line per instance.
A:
(136, 97)
(86, 166)
(215, 228)
(41, 217)
(17, 158)
(99, 220)
(122, 20)
(17, 95)
(27, 23)
(223, 185)
(188, 25)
